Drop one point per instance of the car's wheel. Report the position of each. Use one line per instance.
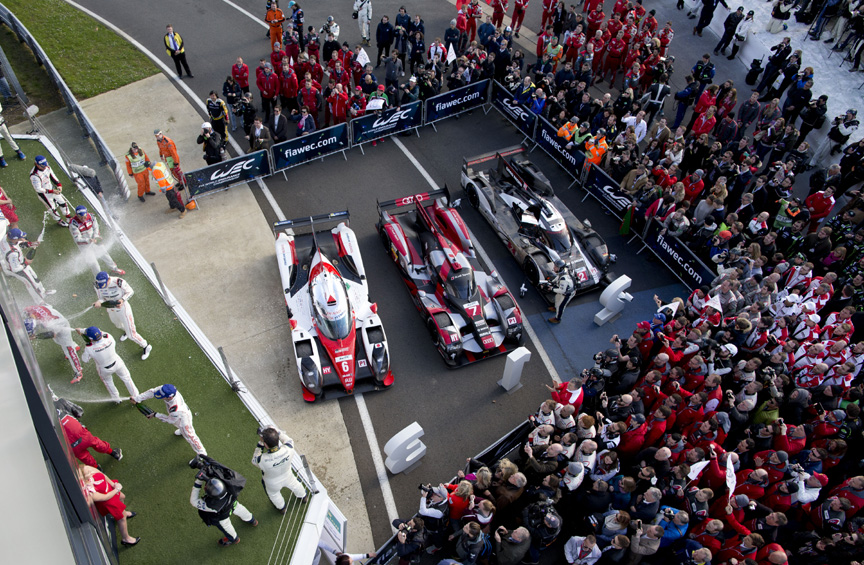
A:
(532, 270)
(432, 328)
(473, 197)
(385, 241)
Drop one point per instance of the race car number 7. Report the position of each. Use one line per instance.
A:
(472, 309)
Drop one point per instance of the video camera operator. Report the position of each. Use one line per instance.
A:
(435, 512)
(720, 357)
(214, 495)
(544, 524)
(246, 111)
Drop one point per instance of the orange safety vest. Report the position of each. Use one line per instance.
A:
(566, 131)
(595, 149)
(163, 176)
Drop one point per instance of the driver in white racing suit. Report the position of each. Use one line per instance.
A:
(563, 287)
(44, 322)
(16, 264)
(114, 293)
(49, 190)
(178, 415)
(85, 232)
(101, 350)
(273, 456)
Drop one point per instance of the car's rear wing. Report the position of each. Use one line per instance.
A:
(332, 217)
(423, 198)
(470, 165)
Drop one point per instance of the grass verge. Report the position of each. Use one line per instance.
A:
(154, 471)
(91, 58)
(39, 87)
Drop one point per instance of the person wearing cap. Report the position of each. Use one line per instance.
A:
(165, 182)
(4, 131)
(435, 513)
(842, 128)
(179, 415)
(596, 147)
(113, 293)
(84, 229)
(176, 49)
(563, 286)
(742, 32)
(101, 349)
(730, 27)
(16, 263)
(50, 191)
(331, 27)
(211, 141)
(168, 153)
(137, 163)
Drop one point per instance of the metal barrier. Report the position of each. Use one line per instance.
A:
(524, 119)
(105, 153)
(226, 174)
(375, 126)
(454, 102)
(315, 145)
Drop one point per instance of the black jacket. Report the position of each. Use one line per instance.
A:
(278, 126)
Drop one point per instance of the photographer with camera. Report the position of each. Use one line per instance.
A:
(436, 515)
(842, 128)
(214, 495)
(544, 524)
(511, 546)
(411, 538)
(274, 455)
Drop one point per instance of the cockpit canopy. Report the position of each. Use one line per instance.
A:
(330, 306)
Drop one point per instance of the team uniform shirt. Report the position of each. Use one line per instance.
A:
(275, 465)
(115, 290)
(51, 323)
(48, 188)
(178, 416)
(14, 263)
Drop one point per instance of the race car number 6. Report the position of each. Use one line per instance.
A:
(345, 366)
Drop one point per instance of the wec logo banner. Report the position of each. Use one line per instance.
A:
(228, 173)
(375, 126)
(518, 115)
(607, 191)
(308, 147)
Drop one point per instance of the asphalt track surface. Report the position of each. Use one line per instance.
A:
(461, 411)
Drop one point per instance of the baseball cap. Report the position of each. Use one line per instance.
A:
(134, 145)
(733, 351)
(575, 468)
(814, 318)
(782, 456)
(742, 500)
(381, 87)
(725, 234)
(206, 125)
(16, 233)
(822, 478)
(329, 18)
(644, 325)
(793, 298)
(440, 491)
(40, 160)
(166, 391)
(157, 131)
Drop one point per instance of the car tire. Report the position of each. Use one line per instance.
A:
(473, 196)
(432, 328)
(532, 271)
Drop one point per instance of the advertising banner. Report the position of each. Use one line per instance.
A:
(604, 188)
(547, 138)
(456, 101)
(375, 126)
(678, 257)
(308, 147)
(521, 117)
(228, 173)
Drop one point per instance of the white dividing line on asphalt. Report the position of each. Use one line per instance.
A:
(531, 334)
(183, 86)
(246, 12)
(380, 469)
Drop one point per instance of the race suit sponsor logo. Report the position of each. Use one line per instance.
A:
(679, 259)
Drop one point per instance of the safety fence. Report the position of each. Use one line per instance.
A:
(337, 139)
(672, 252)
(69, 99)
(507, 446)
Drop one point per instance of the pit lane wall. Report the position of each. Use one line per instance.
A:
(105, 153)
(323, 519)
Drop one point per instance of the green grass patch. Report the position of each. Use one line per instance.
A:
(154, 471)
(38, 86)
(91, 58)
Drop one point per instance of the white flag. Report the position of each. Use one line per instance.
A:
(731, 479)
(451, 54)
(362, 57)
(695, 469)
(714, 302)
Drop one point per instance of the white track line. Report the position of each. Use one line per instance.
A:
(182, 85)
(365, 418)
(531, 334)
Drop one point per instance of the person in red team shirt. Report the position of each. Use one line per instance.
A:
(614, 55)
(595, 18)
(519, 7)
(548, 10)
(499, 8)
(240, 72)
(473, 13)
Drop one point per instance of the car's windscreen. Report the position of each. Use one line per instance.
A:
(460, 284)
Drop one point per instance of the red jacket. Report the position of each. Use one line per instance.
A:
(692, 189)
(703, 124)
(820, 204)
(288, 84)
(616, 49)
(338, 105)
(705, 101)
(310, 99)
(656, 429)
(241, 75)
(268, 85)
(276, 58)
(632, 442)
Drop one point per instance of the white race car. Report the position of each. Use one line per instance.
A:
(339, 342)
